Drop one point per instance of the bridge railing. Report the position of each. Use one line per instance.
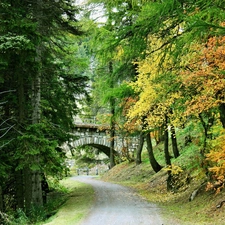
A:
(89, 120)
(85, 120)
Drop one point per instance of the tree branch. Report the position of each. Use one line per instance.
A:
(7, 131)
(3, 92)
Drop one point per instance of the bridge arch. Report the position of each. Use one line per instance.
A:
(99, 142)
(97, 135)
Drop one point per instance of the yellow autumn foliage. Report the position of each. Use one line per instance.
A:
(152, 87)
(175, 170)
(119, 53)
(216, 158)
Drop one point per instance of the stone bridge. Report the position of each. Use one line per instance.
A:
(97, 135)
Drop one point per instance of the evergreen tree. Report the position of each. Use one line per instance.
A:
(35, 38)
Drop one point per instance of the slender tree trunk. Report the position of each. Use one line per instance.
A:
(166, 153)
(174, 142)
(27, 188)
(155, 165)
(112, 122)
(1, 200)
(139, 149)
(159, 135)
(19, 189)
(36, 97)
(206, 126)
(166, 143)
(20, 197)
(222, 114)
(205, 133)
(112, 145)
(21, 97)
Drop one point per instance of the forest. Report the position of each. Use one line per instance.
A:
(147, 68)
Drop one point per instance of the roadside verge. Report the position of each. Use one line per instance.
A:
(80, 200)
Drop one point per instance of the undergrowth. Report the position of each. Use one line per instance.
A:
(58, 195)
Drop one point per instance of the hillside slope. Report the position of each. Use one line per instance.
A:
(176, 207)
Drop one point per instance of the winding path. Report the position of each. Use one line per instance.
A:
(118, 205)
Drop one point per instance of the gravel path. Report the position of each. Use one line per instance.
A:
(118, 205)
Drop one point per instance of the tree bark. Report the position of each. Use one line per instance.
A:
(222, 114)
(112, 121)
(1, 200)
(19, 189)
(159, 135)
(33, 187)
(174, 142)
(206, 126)
(155, 165)
(36, 194)
(21, 97)
(166, 153)
(112, 146)
(140, 148)
(19, 181)
(27, 188)
(166, 142)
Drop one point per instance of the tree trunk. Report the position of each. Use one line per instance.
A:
(166, 143)
(112, 121)
(139, 149)
(19, 189)
(155, 166)
(166, 153)
(174, 142)
(206, 126)
(35, 179)
(36, 98)
(19, 181)
(1, 200)
(222, 114)
(37, 198)
(21, 98)
(159, 135)
(112, 146)
(27, 189)
(33, 187)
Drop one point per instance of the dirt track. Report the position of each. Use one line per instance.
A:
(118, 205)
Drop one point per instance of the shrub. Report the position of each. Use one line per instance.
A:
(216, 159)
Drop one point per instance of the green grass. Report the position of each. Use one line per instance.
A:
(81, 198)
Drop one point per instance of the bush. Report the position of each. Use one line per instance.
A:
(216, 159)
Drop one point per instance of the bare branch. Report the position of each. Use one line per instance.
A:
(1, 103)
(5, 121)
(3, 92)
(7, 131)
(6, 143)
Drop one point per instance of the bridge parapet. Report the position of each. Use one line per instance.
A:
(91, 120)
(89, 124)
(97, 135)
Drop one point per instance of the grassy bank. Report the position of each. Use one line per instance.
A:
(77, 206)
(176, 207)
(175, 204)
